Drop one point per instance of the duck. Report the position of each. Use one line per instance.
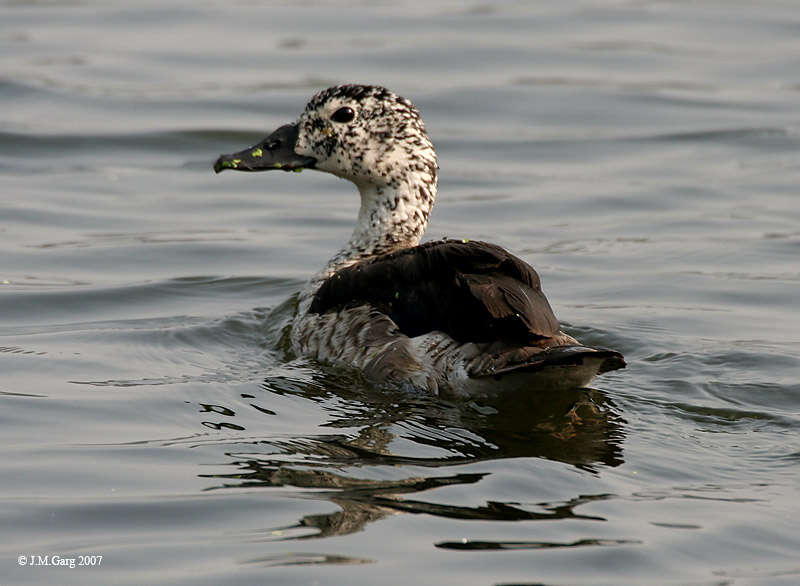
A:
(453, 317)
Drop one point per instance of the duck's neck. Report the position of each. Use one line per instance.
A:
(392, 216)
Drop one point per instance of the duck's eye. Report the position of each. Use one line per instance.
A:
(345, 114)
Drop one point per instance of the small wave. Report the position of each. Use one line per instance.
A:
(476, 545)
(25, 145)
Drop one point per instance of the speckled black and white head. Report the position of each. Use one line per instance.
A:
(366, 134)
(372, 137)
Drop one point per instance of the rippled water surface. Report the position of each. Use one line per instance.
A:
(642, 155)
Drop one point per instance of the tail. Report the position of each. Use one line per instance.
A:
(567, 356)
(558, 366)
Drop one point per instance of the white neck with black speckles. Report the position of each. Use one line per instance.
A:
(393, 216)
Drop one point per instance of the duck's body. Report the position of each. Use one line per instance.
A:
(454, 317)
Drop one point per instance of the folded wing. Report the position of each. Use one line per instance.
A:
(473, 291)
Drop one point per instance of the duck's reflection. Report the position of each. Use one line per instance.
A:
(391, 446)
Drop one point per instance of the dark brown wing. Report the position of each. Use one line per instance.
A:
(473, 291)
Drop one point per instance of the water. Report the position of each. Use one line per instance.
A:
(642, 155)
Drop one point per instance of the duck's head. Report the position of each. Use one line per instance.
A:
(363, 133)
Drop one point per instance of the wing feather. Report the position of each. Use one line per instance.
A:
(474, 291)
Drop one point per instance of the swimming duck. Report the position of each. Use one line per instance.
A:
(459, 318)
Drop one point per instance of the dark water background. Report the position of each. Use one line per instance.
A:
(643, 155)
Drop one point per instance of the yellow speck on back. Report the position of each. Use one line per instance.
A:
(256, 153)
(465, 240)
(235, 163)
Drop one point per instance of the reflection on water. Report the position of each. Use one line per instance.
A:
(304, 559)
(578, 427)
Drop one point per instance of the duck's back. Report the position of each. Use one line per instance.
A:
(473, 291)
